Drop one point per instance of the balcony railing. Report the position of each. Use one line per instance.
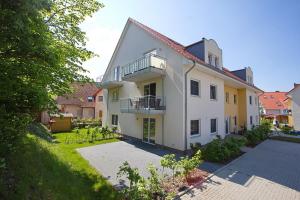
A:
(144, 104)
(144, 62)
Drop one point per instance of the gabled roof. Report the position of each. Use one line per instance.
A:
(273, 100)
(182, 50)
(79, 96)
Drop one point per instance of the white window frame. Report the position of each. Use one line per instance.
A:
(210, 59)
(199, 131)
(199, 88)
(215, 91)
(216, 125)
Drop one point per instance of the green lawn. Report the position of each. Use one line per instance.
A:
(44, 170)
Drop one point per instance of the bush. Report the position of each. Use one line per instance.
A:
(286, 129)
(258, 134)
(222, 150)
(81, 123)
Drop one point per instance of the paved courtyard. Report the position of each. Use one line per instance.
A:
(107, 158)
(269, 171)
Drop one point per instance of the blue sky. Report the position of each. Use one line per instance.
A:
(264, 35)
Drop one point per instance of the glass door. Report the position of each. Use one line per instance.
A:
(150, 95)
(226, 125)
(149, 130)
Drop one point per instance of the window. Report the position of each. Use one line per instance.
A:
(90, 99)
(235, 120)
(213, 125)
(195, 127)
(234, 99)
(251, 120)
(117, 73)
(255, 100)
(256, 119)
(250, 100)
(195, 88)
(210, 59)
(227, 97)
(216, 61)
(213, 92)
(100, 98)
(115, 95)
(114, 120)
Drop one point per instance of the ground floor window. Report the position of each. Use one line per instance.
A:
(235, 120)
(195, 127)
(213, 125)
(251, 120)
(114, 120)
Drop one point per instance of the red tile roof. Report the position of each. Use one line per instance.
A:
(79, 96)
(181, 49)
(273, 100)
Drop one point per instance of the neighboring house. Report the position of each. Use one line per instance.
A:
(164, 93)
(84, 102)
(273, 106)
(293, 102)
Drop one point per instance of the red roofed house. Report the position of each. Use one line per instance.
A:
(273, 106)
(86, 101)
(165, 93)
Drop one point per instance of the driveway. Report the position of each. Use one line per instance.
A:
(107, 158)
(269, 171)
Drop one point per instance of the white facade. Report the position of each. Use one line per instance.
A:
(172, 129)
(295, 107)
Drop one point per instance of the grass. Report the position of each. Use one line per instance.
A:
(286, 139)
(44, 170)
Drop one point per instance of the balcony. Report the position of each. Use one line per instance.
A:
(148, 67)
(111, 84)
(143, 105)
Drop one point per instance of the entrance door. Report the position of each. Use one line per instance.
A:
(149, 130)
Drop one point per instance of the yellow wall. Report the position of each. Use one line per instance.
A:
(231, 109)
(290, 117)
(242, 107)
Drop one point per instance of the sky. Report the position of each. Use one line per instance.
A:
(262, 34)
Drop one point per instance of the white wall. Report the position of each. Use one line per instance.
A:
(252, 110)
(296, 107)
(204, 108)
(134, 44)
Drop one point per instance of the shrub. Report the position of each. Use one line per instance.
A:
(222, 150)
(258, 134)
(169, 161)
(188, 164)
(286, 129)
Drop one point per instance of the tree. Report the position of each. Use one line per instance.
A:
(42, 50)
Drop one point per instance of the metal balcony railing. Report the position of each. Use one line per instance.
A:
(143, 104)
(143, 63)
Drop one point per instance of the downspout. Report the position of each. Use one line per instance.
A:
(163, 116)
(185, 104)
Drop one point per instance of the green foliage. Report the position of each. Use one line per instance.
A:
(169, 161)
(81, 123)
(258, 134)
(188, 164)
(286, 129)
(42, 49)
(222, 150)
(154, 183)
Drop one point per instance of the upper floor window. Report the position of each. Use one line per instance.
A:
(195, 89)
(227, 97)
(115, 95)
(234, 99)
(117, 73)
(213, 125)
(250, 100)
(195, 127)
(100, 98)
(255, 100)
(90, 99)
(213, 92)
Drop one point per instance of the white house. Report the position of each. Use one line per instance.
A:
(164, 93)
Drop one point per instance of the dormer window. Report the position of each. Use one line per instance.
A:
(210, 59)
(216, 61)
(90, 99)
